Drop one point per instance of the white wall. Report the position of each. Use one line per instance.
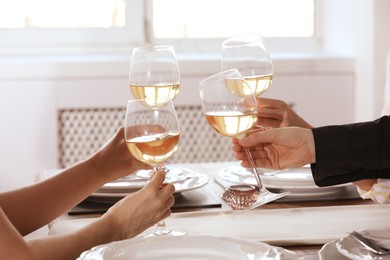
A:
(360, 28)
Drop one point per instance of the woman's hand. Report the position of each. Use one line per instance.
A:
(144, 208)
(114, 160)
(127, 218)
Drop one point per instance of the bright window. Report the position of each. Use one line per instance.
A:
(188, 25)
(62, 14)
(224, 18)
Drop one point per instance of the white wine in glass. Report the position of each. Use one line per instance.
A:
(152, 136)
(248, 54)
(230, 108)
(154, 74)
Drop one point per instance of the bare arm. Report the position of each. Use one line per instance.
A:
(34, 206)
(127, 218)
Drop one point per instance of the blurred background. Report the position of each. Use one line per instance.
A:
(329, 59)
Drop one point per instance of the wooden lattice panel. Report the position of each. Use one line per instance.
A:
(83, 131)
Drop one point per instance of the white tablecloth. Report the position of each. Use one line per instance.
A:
(281, 227)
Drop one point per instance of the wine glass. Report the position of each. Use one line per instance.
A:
(230, 108)
(248, 54)
(152, 136)
(154, 75)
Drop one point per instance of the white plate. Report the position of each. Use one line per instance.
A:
(352, 249)
(299, 181)
(126, 184)
(187, 247)
(329, 251)
(190, 180)
(136, 181)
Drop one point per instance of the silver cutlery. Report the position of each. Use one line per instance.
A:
(370, 244)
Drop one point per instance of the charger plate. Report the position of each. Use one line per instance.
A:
(188, 248)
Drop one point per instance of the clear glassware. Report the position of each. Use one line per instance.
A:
(247, 53)
(230, 108)
(152, 136)
(154, 75)
(240, 196)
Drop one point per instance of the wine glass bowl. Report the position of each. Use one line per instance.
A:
(228, 105)
(152, 136)
(154, 74)
(248, 54)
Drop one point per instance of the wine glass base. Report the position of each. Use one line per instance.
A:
(166, 233)
(173, 172)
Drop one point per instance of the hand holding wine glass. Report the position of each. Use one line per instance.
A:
(152, 136)
(230, 108)
(154, 74)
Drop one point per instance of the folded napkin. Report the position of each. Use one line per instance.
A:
(380, 192)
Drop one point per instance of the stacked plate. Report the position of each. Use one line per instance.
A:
(349, 248)
(298, 181)
(184, 180)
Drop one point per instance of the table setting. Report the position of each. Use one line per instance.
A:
(279, 224)
(327, 227)
(298, 182)
(229, 212)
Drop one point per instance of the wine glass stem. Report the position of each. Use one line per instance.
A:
(255, 172)
(161, 228)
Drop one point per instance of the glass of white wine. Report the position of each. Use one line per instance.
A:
(248, 54)
(230, 108)
(154, 74)
(152, 136)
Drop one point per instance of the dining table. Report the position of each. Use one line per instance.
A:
(302, 224)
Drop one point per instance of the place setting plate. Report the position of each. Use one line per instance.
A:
(298, 181)
(113, 191)
(348, 247)
(186, 248)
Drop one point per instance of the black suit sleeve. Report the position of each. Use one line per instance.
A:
(352, 152)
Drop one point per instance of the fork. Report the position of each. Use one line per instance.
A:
(370, 244)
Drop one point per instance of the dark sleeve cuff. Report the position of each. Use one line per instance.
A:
(351, 152)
